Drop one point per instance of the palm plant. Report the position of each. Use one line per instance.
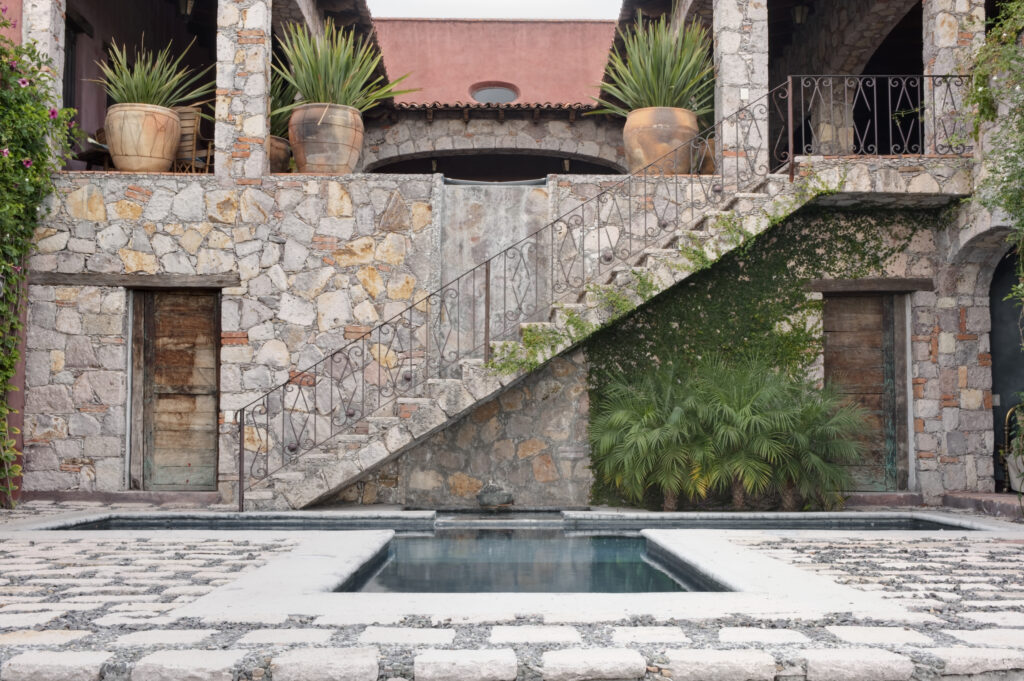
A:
(152, 78)
(336, 67)
(282, 94)
(824, 437)
(744, 417)
(640, 436)
(660, 66)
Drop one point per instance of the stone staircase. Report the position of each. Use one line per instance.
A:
(406, 421)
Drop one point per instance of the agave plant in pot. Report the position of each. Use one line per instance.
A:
(661, 80)
(142, 128)
(333, 74)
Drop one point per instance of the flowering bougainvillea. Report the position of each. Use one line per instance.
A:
(35, 137)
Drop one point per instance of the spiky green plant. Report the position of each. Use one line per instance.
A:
(658, 65)
(824, 437)
(334, 68)
(640, 436)
(152, 78)
(282, 94)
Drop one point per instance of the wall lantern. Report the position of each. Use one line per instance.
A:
(185, 7)
(800, 12)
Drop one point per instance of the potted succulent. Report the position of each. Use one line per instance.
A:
(142, 129)
(282, 94)
(1013, 448)
(661, 81)
(333, 74)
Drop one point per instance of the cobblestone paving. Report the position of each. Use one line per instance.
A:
(99, 605)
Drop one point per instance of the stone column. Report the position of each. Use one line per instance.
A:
(953, 32)
(740, 30)
(243, 87)
(43, 22)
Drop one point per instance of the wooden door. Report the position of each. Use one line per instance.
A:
(862, 360)
(174, 390)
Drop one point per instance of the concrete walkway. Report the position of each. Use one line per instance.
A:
(150, 605)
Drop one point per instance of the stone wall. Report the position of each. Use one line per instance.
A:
(407, 134)
(531, 441)
(317, 260)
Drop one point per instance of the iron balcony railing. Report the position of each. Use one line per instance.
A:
(524, 282)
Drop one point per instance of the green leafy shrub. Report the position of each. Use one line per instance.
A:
(736, 426)
(660, 66)
(334, 68)
(152, 78)
(35, 137)
(282, 95)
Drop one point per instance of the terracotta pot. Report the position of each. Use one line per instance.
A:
(142, 137)
(326, 138)
(653, 133)
(280, 154)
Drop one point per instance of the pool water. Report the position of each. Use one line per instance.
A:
(519, 561)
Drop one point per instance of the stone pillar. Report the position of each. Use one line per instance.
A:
(740, 30)
(243, 91)
(953, 32)
(43, 22)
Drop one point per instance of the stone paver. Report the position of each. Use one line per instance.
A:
(54, 666)
(969, 661)
(407, 636)
(856, 664)
(498, 664)
(1005, 618)
(720, 665)
(30, 619)
(756, 635)
(165, 637)
(584, 664)
(879, 635)
(534, 634)
(318, 664)
(188, 665)
(626, 635)
(31, 637)
(283, 637)
(1013, 638)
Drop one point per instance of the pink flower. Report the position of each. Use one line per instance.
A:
(6, 152)
(14, 64)
(53, 114)
(16, 268)
(27, 162)
(23, 82)
(3, 10)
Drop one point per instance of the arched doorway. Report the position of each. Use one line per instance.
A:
(1007, 353)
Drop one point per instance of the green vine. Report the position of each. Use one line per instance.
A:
(35, 137)
(755, 302)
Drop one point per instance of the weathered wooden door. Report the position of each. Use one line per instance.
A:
(174, 390)
(862, 358)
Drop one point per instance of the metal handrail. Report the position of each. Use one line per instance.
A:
(522, 283)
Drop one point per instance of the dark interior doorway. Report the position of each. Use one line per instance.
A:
(1007, 356)
(497, 167)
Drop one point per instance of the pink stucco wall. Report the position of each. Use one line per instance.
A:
(13, 13)
(549, 61)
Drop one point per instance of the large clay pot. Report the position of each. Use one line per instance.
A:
(653, 133)
(142, 137)
(326, 138)
(280, 154)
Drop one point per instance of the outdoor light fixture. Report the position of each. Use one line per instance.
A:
(185, 7)
(800, 12)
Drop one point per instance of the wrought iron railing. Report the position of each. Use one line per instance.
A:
(879, 115)
(524, 282)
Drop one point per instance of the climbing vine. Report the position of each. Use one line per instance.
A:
(754, 300)
(997, 98)
(35, 136)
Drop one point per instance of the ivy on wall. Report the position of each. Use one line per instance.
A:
(35, 137)
(754, 300)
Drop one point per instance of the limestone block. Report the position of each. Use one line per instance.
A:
(720, 665)
(188, 665)
(333, 310)
(857, 664)
(316, 664)
(86, 203)
(295, 310)
(580, 664)
(971, 661)
(55, 666)
(357, 252)
(339, 203)
(466, 665)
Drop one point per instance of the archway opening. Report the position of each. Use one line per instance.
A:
(1007, 355)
